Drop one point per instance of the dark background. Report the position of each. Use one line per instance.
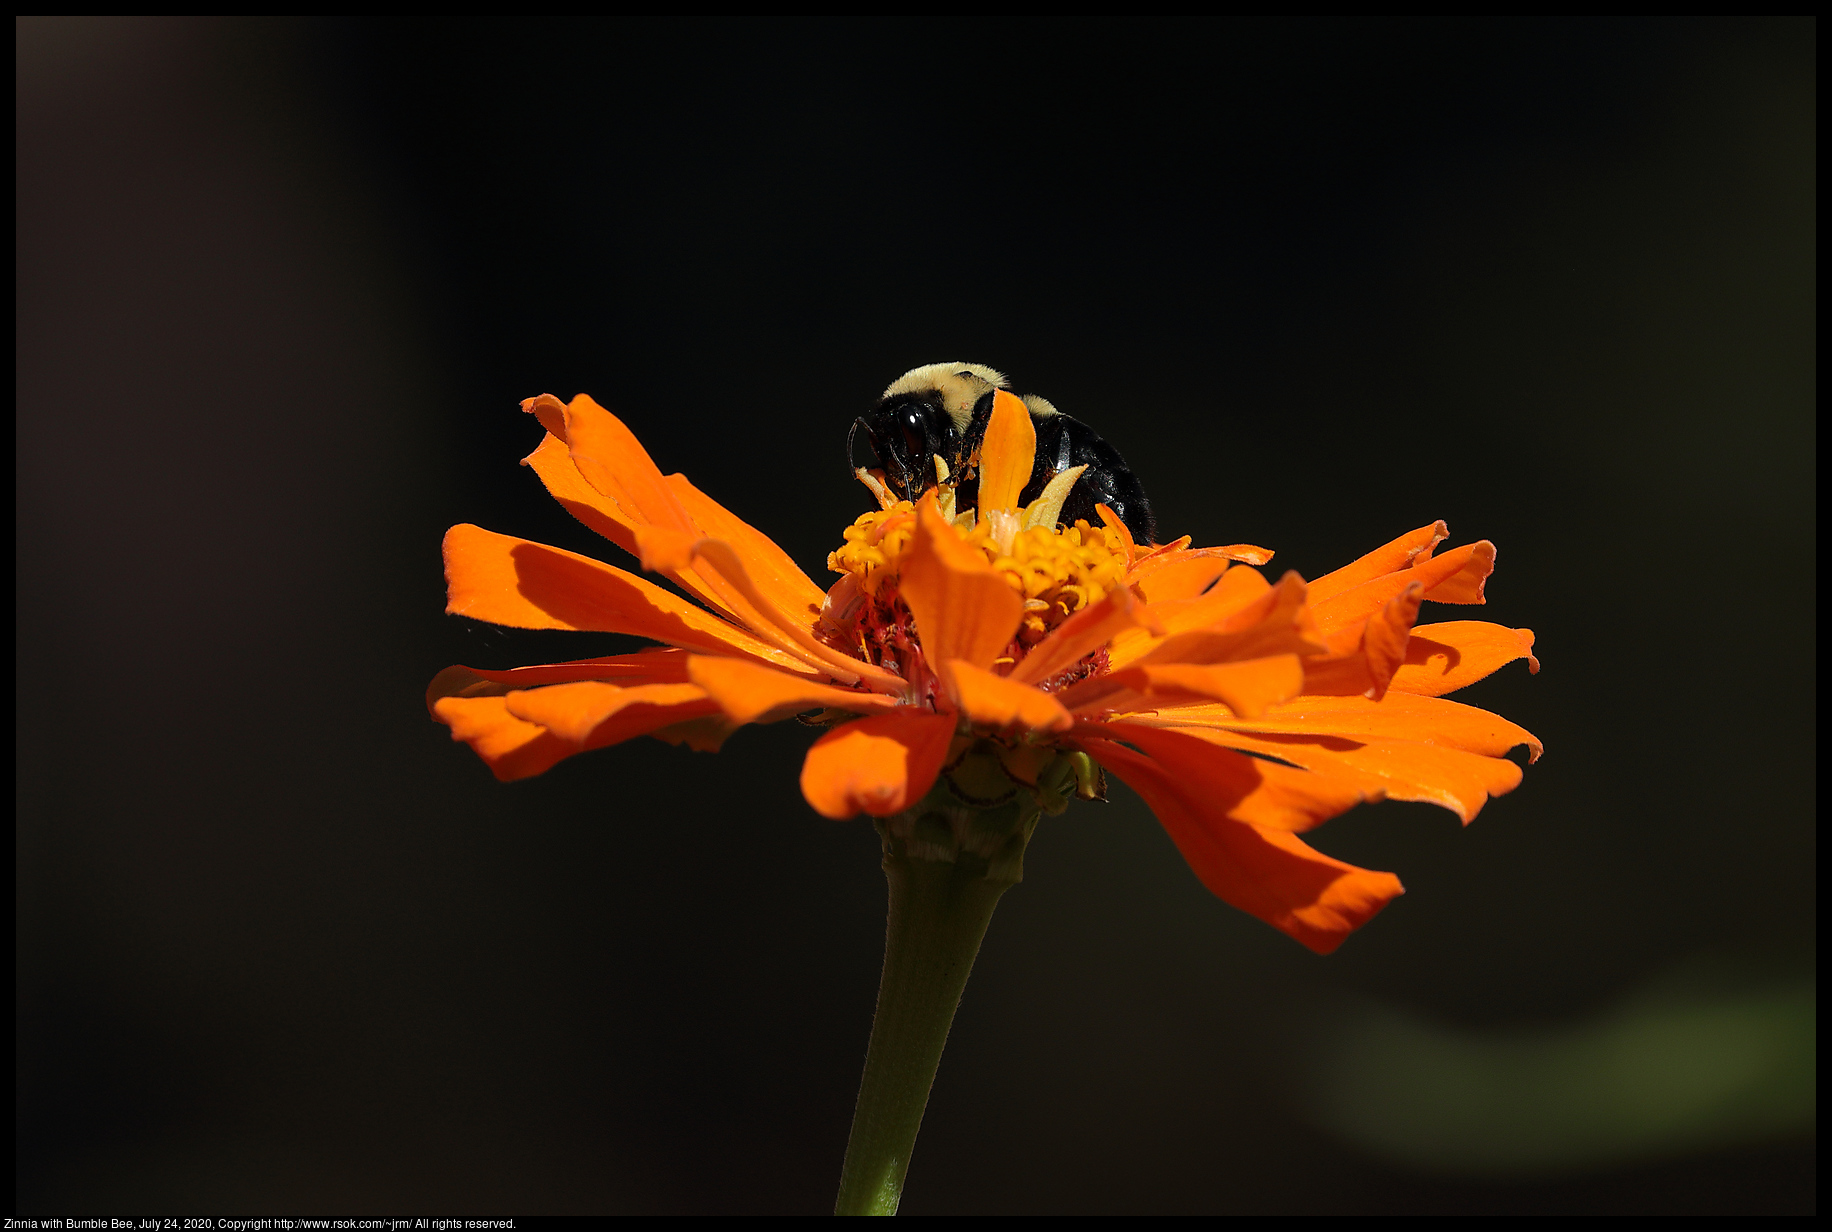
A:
(283, 946)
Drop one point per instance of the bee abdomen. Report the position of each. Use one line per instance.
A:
(1064, 442)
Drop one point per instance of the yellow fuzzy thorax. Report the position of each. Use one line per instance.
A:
(1057, 571)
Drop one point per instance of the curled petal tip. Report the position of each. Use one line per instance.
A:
(549, 410)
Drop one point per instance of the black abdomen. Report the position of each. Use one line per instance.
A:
(1063, 442)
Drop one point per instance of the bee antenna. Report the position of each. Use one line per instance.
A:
(850, 436)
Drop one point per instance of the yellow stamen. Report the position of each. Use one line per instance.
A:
(1046, 510)
(886, 498)
(1057, 571)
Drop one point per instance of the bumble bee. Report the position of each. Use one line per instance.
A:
(941, 410)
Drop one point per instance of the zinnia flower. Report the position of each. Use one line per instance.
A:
(991, 653)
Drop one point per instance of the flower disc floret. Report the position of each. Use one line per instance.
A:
(1057, 571)
(874, 546)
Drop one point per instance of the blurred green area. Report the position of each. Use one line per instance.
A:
(1697, 1060)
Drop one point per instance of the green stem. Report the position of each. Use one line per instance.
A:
(938, 914)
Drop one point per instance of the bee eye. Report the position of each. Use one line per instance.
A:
(915, 431)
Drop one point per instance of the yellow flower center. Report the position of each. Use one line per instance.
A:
(1057, 571)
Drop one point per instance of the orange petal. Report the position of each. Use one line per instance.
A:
(1157, 554)
(1383, 642)
(1180, 549)
(510, 581)
(1185, 577)
(1111, 521)
(1341, 675)
(705, 734)
(1379, 649)
(582, 712)
(879, 765)
(1247, 688)
(625, 527)
(1001, 703)
(1398, 716)
(1379, 768)
(513, 748)
(1080, 635)
(717, 569)
(1390, 558)
(614, 462)
(654, 666)
(552, 461)
(964, 608)
(793, 633)
(689, 723)
(1245, 553)
(626, 498)
(789, 591)
(1267, 873)
(1233, 785)
(1455, 577)
(1442, 658)
(1277, 622)
(1458, 576)
(749, 692)
(1237, 590)
(550, 411)
(1432, 719)
(1007, 453)
(665, 550)
(667, 547)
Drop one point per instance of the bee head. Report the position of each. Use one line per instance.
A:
(924, 414)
